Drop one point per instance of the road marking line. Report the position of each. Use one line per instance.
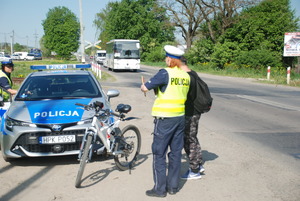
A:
(275, 104)
(147, 73)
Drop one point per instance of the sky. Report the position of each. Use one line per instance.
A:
(24, 18)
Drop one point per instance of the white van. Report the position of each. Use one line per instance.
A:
(100, 56)
(22, 55)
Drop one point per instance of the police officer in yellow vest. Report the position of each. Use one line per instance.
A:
(5, 80)
(172, 85)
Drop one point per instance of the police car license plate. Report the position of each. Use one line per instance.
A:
(57, 139)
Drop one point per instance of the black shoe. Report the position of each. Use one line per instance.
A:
(152, 193)
(172, 191)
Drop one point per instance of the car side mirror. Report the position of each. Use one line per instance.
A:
(112, 93)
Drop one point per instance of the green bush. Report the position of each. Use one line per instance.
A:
(257, 59)
(224, 53)
(200, 52)
(157, 53)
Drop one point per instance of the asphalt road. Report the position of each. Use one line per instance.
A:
(250, 142)
(264, 114)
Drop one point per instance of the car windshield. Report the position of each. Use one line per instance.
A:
(58, 87)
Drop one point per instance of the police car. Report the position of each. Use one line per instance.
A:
(43, 119)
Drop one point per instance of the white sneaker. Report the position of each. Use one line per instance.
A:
(202, 170)
(189, 175)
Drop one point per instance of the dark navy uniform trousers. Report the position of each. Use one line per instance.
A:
(168, 133)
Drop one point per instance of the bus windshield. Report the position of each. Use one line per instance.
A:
(126, 50)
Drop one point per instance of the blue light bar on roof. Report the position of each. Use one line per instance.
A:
(59, 66)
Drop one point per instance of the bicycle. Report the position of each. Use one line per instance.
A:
(123, 144)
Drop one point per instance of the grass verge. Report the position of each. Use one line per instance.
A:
(277, 76)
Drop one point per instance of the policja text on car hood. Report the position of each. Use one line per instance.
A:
(49, 111)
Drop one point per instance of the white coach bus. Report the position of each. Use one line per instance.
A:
(123, 54)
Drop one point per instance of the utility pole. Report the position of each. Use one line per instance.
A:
(27, 42)
(35, 41)
(12, 43)
(81, 33)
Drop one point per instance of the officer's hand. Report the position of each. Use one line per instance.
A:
(144, 88)
(12, 91)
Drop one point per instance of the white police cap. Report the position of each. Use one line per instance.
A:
(173, 52)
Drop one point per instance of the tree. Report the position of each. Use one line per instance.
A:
(99, 22)
(262, 27)
(255, 37)
(144, 20)
(5, 47)
(186, 15)
(19, 48)
(201, 51)
(213, 15)
(220, 15)
(46, 52)
(62, 32)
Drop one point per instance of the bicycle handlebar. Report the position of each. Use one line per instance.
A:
(98, 107)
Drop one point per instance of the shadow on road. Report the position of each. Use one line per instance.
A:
(24, 185)
(206, 155)
(100, 175)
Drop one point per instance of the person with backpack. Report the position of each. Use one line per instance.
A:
(172, 86)
(192, 116)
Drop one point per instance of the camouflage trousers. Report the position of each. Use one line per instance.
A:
(192, 146)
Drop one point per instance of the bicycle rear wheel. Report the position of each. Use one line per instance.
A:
(83, 160)
(130, 144)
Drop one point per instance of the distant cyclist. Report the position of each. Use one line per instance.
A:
(5, 79)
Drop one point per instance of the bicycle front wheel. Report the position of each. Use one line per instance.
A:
(130, 144)
(83, 160)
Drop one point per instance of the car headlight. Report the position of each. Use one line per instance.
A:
(10, 123)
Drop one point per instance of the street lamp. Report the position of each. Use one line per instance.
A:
(81, 33)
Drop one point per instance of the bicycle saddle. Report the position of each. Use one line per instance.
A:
(122, 108)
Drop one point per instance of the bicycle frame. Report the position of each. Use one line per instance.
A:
(103, 130)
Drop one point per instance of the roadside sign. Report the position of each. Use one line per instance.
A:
(91, 45)
(291, 44)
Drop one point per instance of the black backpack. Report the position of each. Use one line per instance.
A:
(203, 101)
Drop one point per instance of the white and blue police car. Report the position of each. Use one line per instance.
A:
(43, 120)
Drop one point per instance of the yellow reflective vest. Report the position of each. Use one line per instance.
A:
(170, 103)
(4, 94)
